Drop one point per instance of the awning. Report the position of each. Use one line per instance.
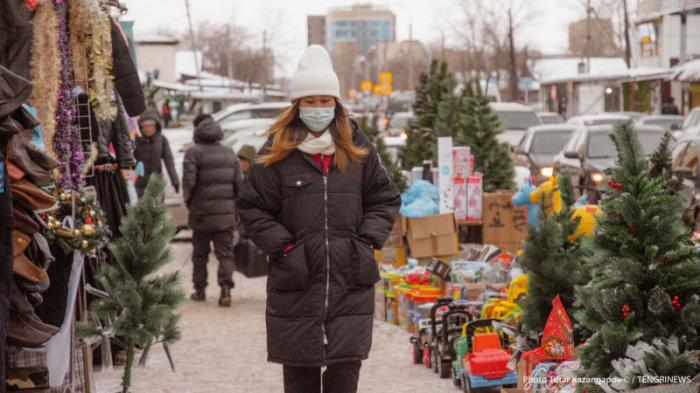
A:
(688, 72)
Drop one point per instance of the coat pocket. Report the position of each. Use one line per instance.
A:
(290, 271)
(365, 265)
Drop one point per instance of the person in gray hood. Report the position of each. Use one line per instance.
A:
(152, 149)
(211, 180)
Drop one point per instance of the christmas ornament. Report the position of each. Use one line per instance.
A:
(87, 230)
(676, 303)
(625, 311)
(617, 186)
(85, 244)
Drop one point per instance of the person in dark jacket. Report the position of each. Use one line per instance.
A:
(669, 107)
(152, 148)
(211, 180)
(319, 201)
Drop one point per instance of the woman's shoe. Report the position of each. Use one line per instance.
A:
(198, 296)
(225, 299)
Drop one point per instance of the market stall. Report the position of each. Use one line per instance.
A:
(67, 86)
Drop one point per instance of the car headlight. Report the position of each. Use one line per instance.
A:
(547, 171)
(404, 135)
(597, 177)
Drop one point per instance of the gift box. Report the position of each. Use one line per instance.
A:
(461, 162)
(460, 192)
(475, 202)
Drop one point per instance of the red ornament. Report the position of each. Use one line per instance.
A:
(88, 219)
(617, 186)
(625, 311)
(676, 303)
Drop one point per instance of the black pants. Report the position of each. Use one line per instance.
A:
(338, 378)
(223, 248)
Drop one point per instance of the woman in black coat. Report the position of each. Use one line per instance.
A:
(319, 202)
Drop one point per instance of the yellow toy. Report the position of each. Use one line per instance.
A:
(506, 309)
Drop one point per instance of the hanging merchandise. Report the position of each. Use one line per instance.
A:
(46, 69)
(78, 25)
(85, 232)
(99, 49)
(66, 142)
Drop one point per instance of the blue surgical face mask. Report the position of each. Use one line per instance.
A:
(317, 119)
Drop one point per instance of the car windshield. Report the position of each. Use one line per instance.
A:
(399, 122)
(517, 120)
(601, 146)
(604, 120)
(550, 143)
(551, 119)
(664, 122)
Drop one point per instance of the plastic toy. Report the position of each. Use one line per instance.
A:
(506, 309)
(425, 339)
(522, 198)
(452, 321)
(485, 364)
(462, 347)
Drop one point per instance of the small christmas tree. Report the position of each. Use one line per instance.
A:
(478, 130)
(643, 273)
(434, 89)
(391, 166)
(139, 302)
(552, 258)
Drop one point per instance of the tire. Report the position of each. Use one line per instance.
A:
(445, 369)
(417, 354)
(466, 386)
(457, 381)
(435, 359)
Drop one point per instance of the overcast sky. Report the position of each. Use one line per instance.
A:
(547, 31)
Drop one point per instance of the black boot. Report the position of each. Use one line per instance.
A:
(199, 295)
(225, 298)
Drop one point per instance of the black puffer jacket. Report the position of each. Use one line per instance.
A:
(211, 179)
(15, 36)
(151, 151)
(126, 78)
(321, 291)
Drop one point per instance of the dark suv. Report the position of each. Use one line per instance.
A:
(590, 151)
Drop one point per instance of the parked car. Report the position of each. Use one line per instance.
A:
(670, 123)
(235, 127)
(603, 118)
(550, 118)
(590, 151)
(212, 102)
(686, 154)
(234, 113)
(632, 115)
(539, 146)
(691, 125)
(515, 119)
(398, 124)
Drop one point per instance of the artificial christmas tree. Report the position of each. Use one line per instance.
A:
(552, 258)
(478, 129)
(643, 273)
(391, 166)
(140, 303)
(434, 87)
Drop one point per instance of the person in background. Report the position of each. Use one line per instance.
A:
(152, 149)
(165, 114)
(180, 109)
(669, 107)
(211, 180)
(246, 155)
(318, 201)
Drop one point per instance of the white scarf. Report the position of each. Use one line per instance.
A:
(321, 145)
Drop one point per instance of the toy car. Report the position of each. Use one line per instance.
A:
(462, 346)
(457, 315)
(485, 363)
(430, 343)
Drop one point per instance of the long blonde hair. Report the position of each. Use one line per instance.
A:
(289, 131)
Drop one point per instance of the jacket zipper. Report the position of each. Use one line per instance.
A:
(328, 257)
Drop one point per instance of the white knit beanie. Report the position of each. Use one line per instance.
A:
(315, 75)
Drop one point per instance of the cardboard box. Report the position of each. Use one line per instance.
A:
(446, 186)
(396, 237)
(460, 191)
(475, 203)
(392, 255)
(476, 289)
(432, 236)
(505, 226)
(461, 162)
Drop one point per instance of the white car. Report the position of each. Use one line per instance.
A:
(238, 112)
(515, 119)
(691, 125)
(600, 119)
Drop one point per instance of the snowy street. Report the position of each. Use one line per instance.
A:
(223, 350)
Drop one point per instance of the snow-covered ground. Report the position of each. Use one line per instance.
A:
(223, 350)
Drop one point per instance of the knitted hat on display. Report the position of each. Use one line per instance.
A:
(315, 75)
